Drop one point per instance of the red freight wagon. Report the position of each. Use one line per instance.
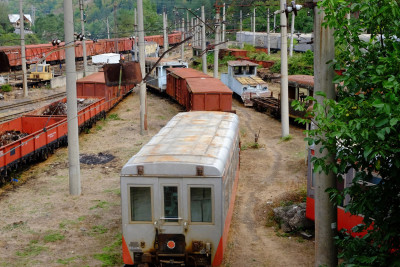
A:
(90, 109)
(208, 94)
(176, 83)
(43, 134)
(94, 85)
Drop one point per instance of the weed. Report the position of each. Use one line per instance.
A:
(6, 88)
(286, 138)
(116, 191)
(128, 110)
(161, 117)
(300, 240)
(33, 249)
(99, 127)
(63, 224)
(66, 261)
(100, 205)
(98, 229)
(114, 117)
(252, 145)
(13, 226)
(111, 255)
(87, 131)
(53, 237)
(281, 234)
(82, 218)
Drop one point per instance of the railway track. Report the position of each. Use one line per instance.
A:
(26, 103)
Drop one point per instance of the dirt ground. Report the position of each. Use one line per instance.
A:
(41, 224)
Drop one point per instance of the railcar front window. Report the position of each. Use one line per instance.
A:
(40, 69)
(140, 204)
(200, 204)
(171, 203)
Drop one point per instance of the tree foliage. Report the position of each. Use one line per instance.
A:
(362, 128)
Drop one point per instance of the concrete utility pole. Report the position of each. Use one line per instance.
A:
(274, 22)
(115, 27)
(284, 73)
(108, 29)
(165, 36)
(291, 35)
(183, 38)
(241, 21)
(72, 109)
(216, 49)
(142, 56)
(268, 33)
(23, 56)
(254, 27)
(136, 36)
(187, 22)
(325, 211)
(223, 23)
(203, 41)
(83, 41)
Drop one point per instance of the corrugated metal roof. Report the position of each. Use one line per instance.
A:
(187, 73)
(190, 139)
(241, 63)
(207, 85)
(165, 61)
(302, 80)
(250, 80)
(97, 77)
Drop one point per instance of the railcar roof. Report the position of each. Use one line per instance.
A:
(165, 61)
(187, 73)
(207, 85)
(302, 80)
(250, 80)
(189, 140)
(97, 77)
(235, 63)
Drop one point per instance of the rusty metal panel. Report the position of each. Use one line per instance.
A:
(131, 73)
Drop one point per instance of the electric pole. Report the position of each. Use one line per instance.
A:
(291, 35)
(268, 33)
(241, 22)
(23, 54)
(216, 49)
(183, 38)
(325, 211)
(223, 23)
(284, 72)
(142, 57)
(115, 27)
(136, 35)
(83, 41)
(108, 30)
(203, 41)
(254, 26)
(165, 32)
(72, 109)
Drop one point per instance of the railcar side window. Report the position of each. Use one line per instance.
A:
(140, 204)
(200, 204)
(171, 203)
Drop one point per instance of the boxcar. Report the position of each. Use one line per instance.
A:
(178, 192)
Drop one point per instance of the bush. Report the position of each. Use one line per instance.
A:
(6, 88)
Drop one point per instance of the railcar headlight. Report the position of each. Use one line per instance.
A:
(265, 88)
(244, 89)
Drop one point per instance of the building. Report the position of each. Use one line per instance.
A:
(15, 22)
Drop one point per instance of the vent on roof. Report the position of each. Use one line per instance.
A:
(199, 171)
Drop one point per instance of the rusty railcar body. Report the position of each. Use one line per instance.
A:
(178, 192)
(299, 87)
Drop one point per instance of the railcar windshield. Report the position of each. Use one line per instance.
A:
(200, 205)
(171, 203)
(141, 209)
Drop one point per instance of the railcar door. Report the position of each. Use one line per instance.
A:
(171, 212)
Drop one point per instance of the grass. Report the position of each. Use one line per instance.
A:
(114, 117)
(252, 145)
(6, 88)
(32, 249)
(116, 191)
(111, 255)
(286, 138)
(53, 237)
(98, 229)
(100, 205)
(99, 127)
(66, 261)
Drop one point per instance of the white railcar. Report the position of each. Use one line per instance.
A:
(178, 192)
(157, 79)
(242, 79)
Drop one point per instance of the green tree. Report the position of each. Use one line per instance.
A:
(362, 128)
(49, 27)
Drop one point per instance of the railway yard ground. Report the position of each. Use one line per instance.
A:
(41, 224)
